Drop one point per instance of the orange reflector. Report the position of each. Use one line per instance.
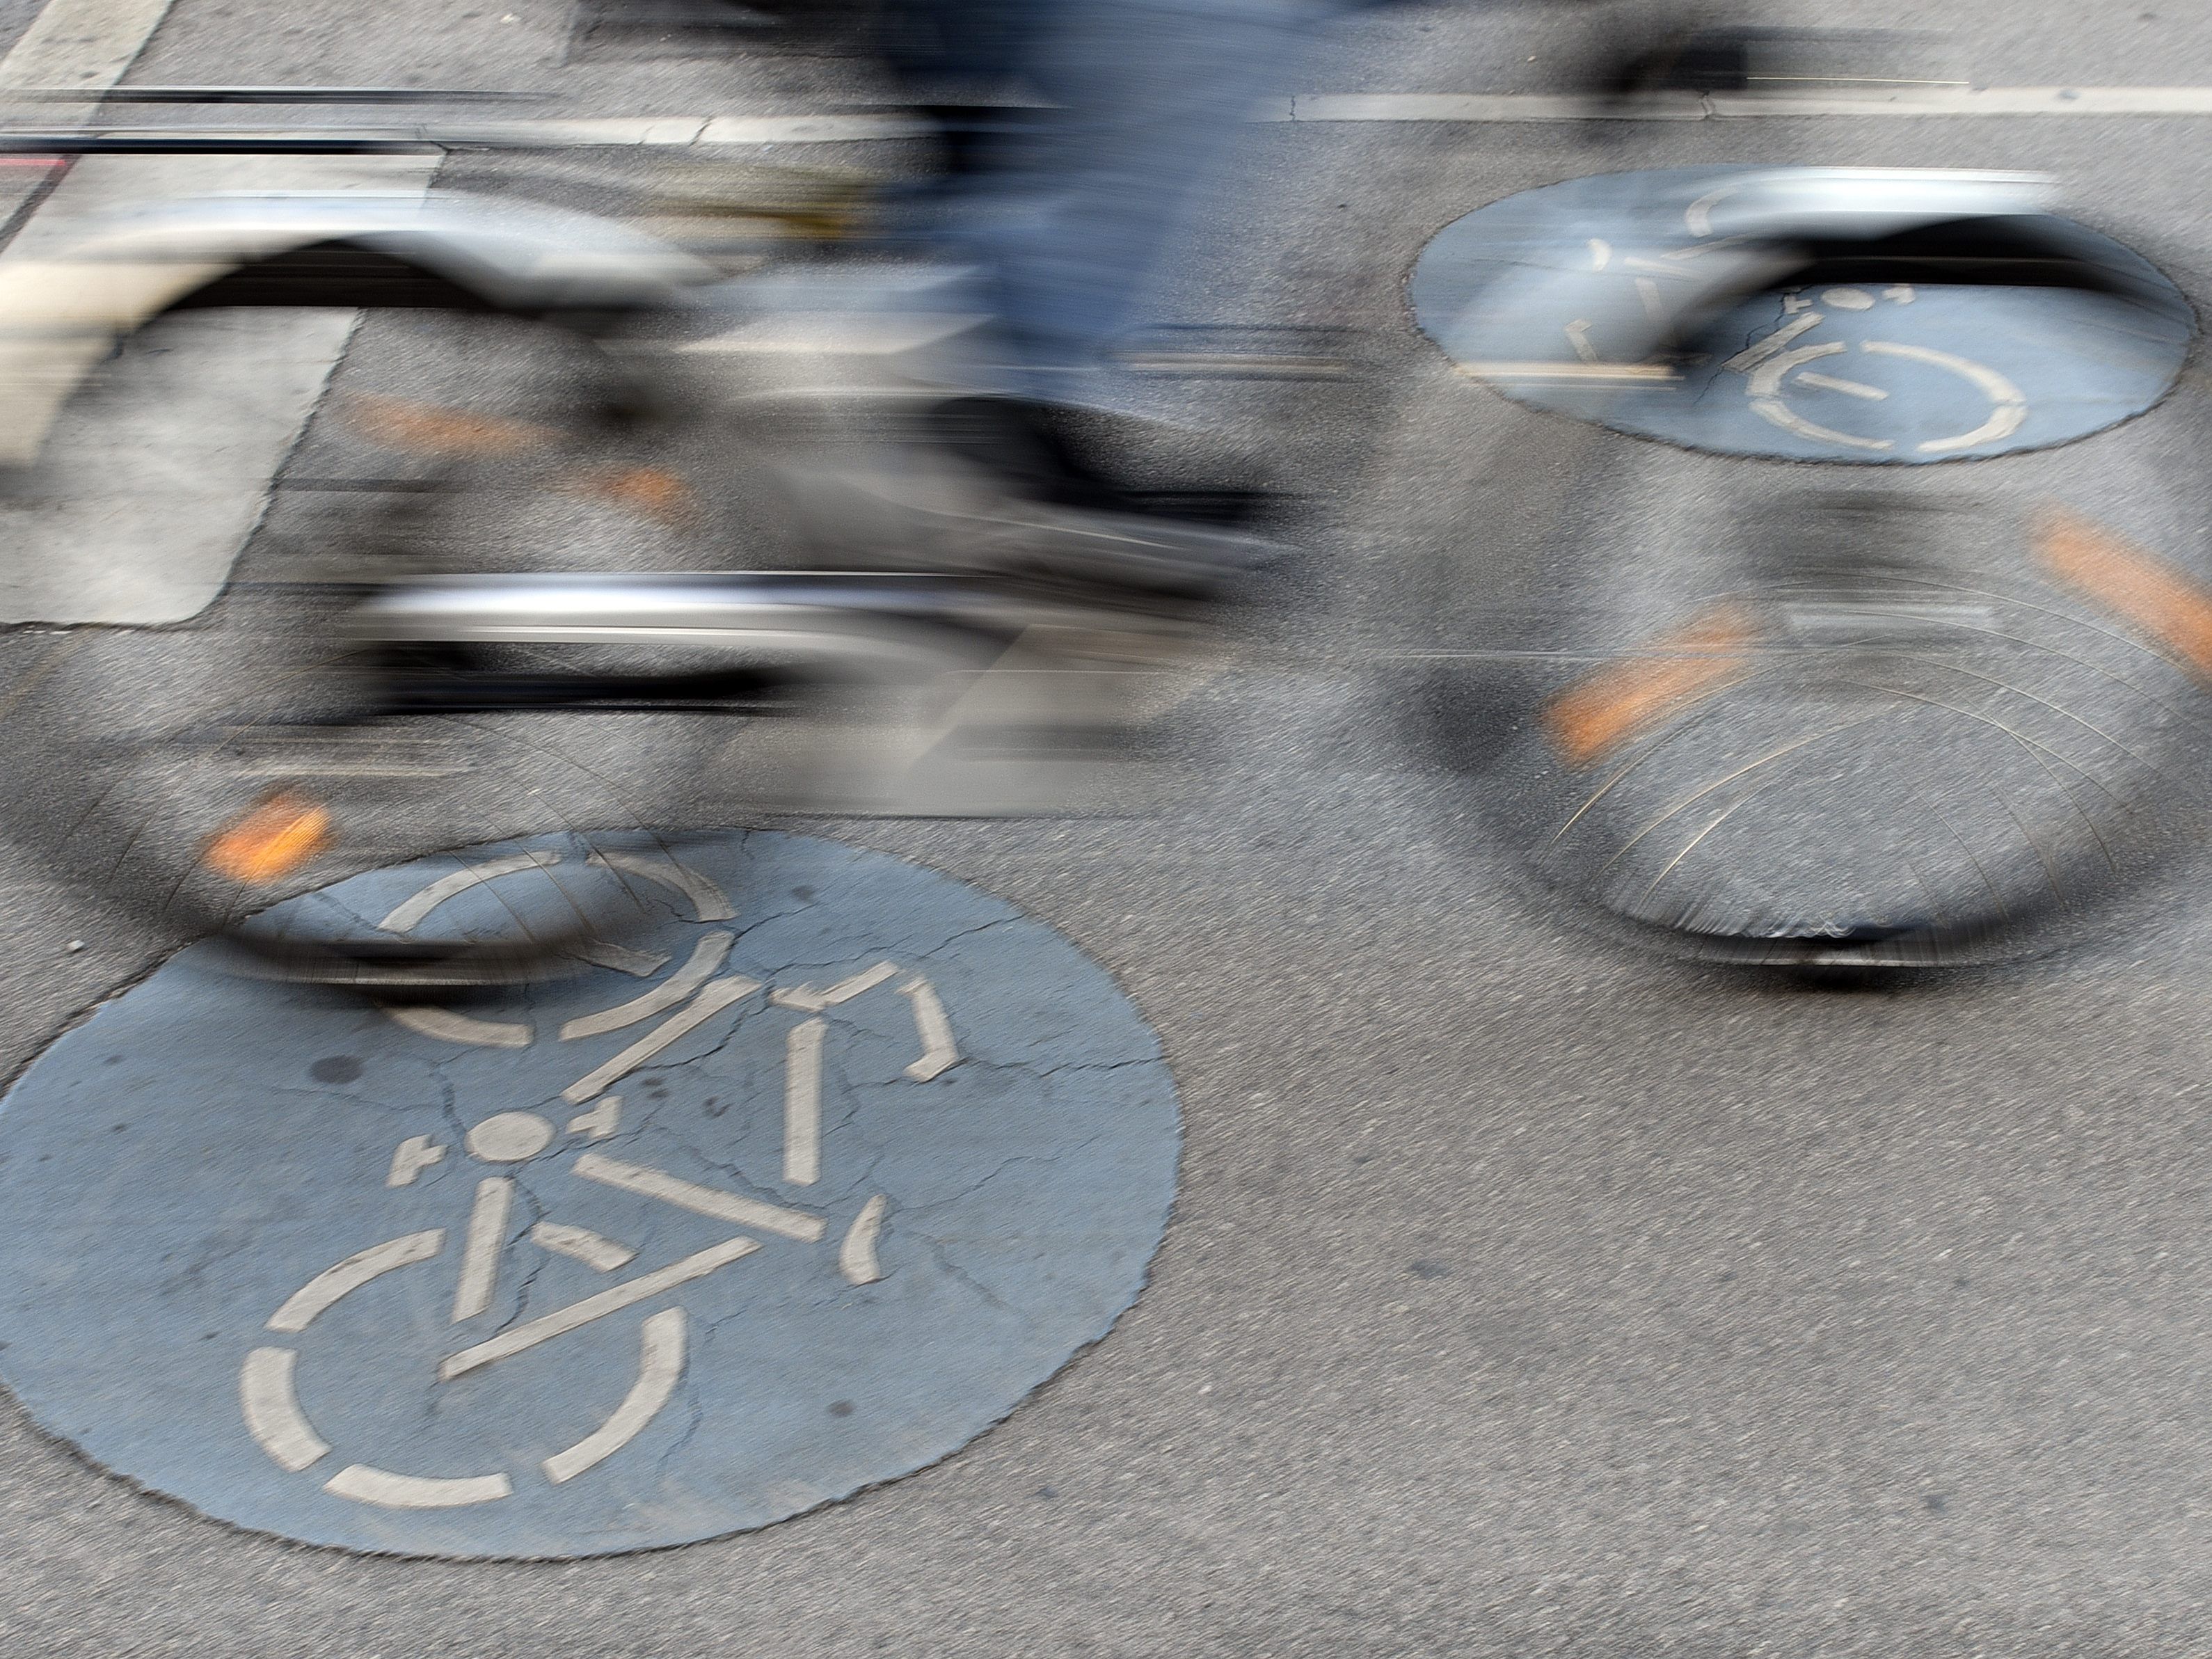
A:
(426, 429)
(1624, 698)
(651, 491)
(270, 842)
(2139, 588)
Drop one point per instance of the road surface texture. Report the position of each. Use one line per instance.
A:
(1521, 1298)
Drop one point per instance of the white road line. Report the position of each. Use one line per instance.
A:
(325, 1288)
(487, 1237)
(716, 996)
(271, 1407)
(1483, 108)
(1458, 109)
(81, 43)
(707, 900)
(405, 917)
(812, 1001)
(413, 1491)
(1333, 109)
(802, 1103)
(700, 1199)
(706, 957)
(938, 1051)
(581, 1244)
(856, 1256)
(577, 1314)
(411, 1157)
(661, 1365)
(449, 1027)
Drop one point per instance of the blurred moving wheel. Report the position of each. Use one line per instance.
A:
(197, 775)
(1936, 692)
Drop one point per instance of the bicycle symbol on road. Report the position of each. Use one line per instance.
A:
(694, 993)
(1777, 366)
(1654, 304)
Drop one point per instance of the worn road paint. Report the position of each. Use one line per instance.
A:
(487, 1241)
(802, 1103)
(1396, 108)
(661, 1336)
(413, 1155)
(449, 1026)
(82, 44)
(706, 957)
(813, 1001)
(406, 917)
(712, 1000)
(520, 1338)
(939, 1050)
(709, 902)
(700, 1199)
(856, 1256)
(1957, 372)
(581, 1244)
(660, 1364)
(271, 1403)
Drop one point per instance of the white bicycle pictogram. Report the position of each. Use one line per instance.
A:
(696, 991)
(1770, 364)
(1777, 366)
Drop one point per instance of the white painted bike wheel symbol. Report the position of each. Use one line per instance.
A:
(1769, 390)
(269, 1393)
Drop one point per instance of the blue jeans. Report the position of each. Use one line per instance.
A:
(1068, 212)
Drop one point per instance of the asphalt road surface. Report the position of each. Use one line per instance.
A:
(1521, 1298)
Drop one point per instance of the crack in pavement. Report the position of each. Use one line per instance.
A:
(956, 1271)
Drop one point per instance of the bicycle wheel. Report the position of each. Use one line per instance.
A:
(1933, 691)
(196, 773)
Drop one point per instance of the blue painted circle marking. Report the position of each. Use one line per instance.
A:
(805, 1197)
(1893, 374)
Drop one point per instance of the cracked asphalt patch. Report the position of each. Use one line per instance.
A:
(175, 1178)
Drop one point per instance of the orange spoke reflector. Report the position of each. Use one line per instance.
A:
(2139, 588)
(270, 842)
(426, 429)
(653, 491)
(1625, 698)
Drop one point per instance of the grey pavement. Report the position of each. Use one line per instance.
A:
(1521, 1298)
